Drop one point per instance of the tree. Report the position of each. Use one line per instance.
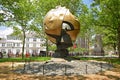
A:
(23, 14)
(107, 15)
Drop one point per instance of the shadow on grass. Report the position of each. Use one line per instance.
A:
(59, 77)
(5, 70)
(113, 77)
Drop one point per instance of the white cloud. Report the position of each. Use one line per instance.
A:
(5, 32)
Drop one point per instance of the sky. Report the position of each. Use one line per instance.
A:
(87, 2)
(2, 27)
(6, 31)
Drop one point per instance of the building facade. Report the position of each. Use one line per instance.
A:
(12, 44)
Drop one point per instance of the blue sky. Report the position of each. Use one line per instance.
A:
(87, 2)
(2, 27)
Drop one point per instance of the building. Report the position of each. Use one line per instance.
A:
(12, 44)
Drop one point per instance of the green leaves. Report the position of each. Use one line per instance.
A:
(107, 12)
(17, 31)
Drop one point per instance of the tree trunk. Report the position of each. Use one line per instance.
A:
(114, 47)
(23, 44)
(119, 41)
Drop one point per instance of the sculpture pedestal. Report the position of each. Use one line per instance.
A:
(61, 53)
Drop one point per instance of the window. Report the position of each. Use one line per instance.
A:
(34, 39)
(34, 51)
(3, 44)
(34, 45)
(27, 45)
(18, 50)
(41, 39)
(9, 50)
(18, 44)
(3, 51)
(9, 44)
(27, 39)
(13, 44)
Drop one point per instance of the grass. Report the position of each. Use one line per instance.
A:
(24, 59)
(110, 60)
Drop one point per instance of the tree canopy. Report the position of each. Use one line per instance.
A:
(107, 15)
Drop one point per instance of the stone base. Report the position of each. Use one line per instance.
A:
(62, 53)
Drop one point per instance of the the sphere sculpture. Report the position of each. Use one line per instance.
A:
(61, 27)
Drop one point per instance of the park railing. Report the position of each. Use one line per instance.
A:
(52, 68)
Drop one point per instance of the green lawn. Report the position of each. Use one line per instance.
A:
(110, 60)
(24, 59)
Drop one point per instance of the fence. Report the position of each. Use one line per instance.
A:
(52, 68)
